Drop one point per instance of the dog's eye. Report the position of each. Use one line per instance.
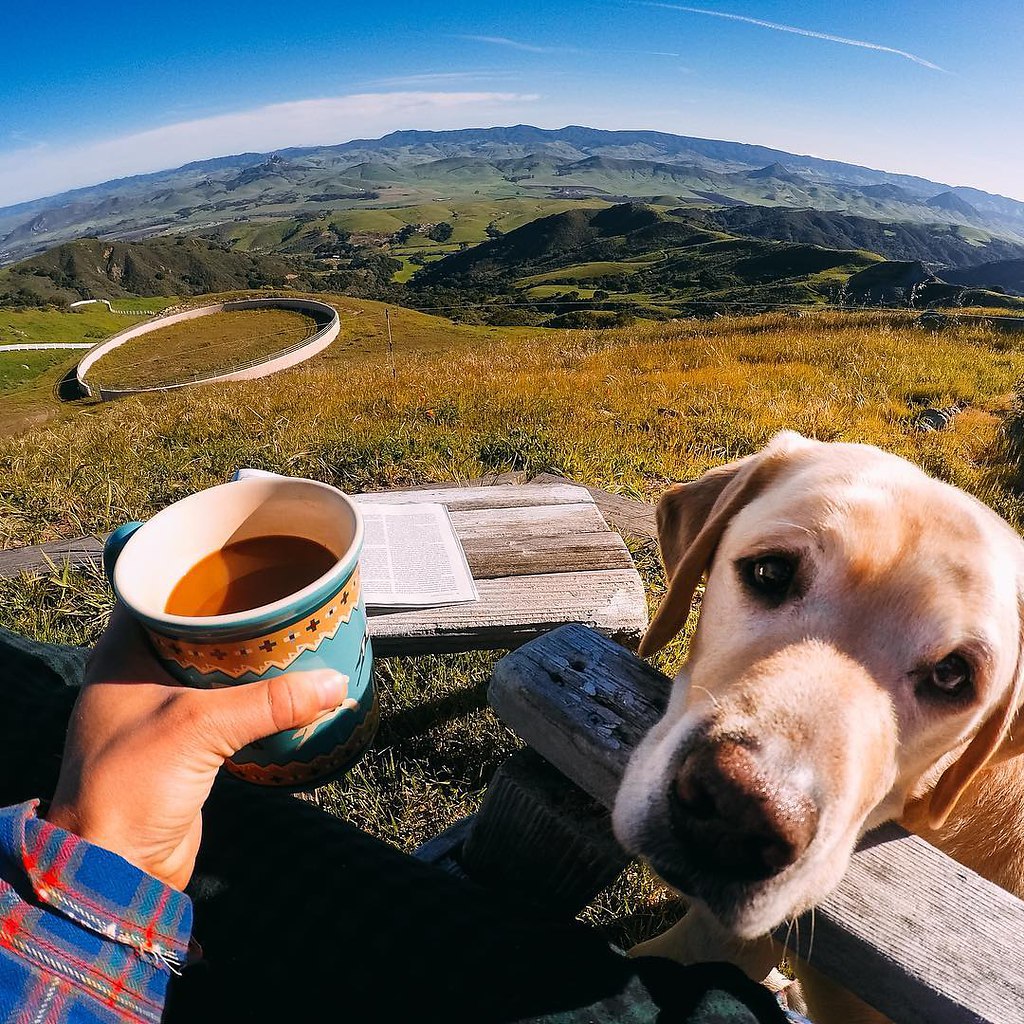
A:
(770, 576)
(951, 676)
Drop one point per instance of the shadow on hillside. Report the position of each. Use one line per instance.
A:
(68, 388)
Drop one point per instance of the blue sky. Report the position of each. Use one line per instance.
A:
(88, 94)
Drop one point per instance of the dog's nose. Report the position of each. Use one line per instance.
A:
(734, 819)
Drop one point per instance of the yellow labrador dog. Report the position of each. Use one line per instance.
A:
(858, 659)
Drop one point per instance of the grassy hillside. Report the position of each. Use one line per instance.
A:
(629, 410)
(1005, 274)
(589, 404)
(363, 334)
(20, 368)
(89, 268)
(642, 260)
(940, 245)
(29, 397)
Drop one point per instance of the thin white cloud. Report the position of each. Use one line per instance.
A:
(515, 44)
(801, 32)
(31, 172)
(433, 77)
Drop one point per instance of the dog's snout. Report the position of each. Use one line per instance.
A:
(734, 819)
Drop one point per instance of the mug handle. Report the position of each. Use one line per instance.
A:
(114, 545)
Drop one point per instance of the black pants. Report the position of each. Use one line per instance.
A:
(303, 917)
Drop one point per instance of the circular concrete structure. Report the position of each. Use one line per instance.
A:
(328, 327)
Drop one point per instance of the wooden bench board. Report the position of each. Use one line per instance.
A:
(911, 931)
(542, 555)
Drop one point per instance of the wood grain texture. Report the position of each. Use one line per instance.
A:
(81, 551)
(912, 932)
(581, 702)
(494, 557)
(541, 554)
(515, 609)
(518, 511)
(502, 496)
(628, 516)
(561, 520)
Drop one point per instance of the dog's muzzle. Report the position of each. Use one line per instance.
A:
(732, 820)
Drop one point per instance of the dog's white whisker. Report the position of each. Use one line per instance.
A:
(714, 700)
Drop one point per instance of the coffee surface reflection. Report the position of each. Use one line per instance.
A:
(248, 574)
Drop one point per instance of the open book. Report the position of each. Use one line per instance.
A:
(411, 558)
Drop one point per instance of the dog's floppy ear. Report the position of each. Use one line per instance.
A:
(691, 520)
(1000, 737)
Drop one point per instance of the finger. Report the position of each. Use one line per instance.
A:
(241, 714)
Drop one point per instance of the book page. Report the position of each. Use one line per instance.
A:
(412, 557)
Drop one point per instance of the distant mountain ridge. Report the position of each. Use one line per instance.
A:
(521, 160)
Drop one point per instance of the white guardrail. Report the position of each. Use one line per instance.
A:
(326, 316)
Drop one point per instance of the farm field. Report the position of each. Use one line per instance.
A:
(629, 410)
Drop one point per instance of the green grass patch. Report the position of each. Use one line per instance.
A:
(20, 368)
(589, 271)
(89, 324)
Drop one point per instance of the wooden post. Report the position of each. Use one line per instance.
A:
(911, 932)
(391, 347)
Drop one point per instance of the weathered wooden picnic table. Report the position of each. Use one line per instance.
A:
(541, 554)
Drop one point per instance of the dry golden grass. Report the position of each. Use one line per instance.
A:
(629, 410)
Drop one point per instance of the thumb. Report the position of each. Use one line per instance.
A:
(242, 714)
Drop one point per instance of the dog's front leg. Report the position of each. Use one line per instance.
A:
(699, 938)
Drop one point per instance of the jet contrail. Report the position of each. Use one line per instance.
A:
(802, 32)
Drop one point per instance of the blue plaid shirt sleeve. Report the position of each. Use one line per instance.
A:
(85, 937)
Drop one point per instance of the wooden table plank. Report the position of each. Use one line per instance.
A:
(538, 511)
(628, 516)
(80, 551)
(912, 932)
(515, 609)
(494, 557)
(535, 521)
(500, 496)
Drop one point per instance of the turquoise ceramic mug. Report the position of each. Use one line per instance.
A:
(322, 625)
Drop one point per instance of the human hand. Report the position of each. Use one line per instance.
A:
(142, 751)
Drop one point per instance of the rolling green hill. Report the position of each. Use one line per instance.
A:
(939, 245)
(633, 258)
(89, 268)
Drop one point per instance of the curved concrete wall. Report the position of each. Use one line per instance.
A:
(325, 315)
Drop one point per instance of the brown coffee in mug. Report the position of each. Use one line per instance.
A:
(248, 574)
